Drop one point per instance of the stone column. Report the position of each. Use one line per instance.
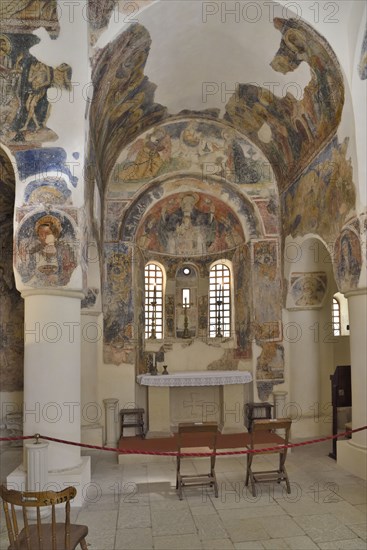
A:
(304, 363)
(52, 372)
(111, 421)
(52, 381)
(352, 454)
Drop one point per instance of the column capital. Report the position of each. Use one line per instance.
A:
(110, 402)
(62, 293)
(355, 292)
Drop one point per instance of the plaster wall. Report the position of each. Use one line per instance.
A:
(69, 107)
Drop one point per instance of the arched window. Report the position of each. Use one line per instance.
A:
(153, 306)
(335, 318)
(219, 301)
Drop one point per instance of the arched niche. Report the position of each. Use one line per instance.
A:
(313, 350)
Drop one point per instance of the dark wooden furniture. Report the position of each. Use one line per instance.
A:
(205, 433)
(137, 420)
(257, 410)
(279, 474)
(41, 536)
(341, 396)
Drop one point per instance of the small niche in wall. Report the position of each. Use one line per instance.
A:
(186, 297)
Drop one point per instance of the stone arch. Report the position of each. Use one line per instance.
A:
(12, 309)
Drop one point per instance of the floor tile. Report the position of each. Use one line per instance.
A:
(324, 528)
(177, 542)
(134, 539)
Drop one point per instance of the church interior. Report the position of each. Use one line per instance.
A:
(183, 193)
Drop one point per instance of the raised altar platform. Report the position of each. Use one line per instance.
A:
(210, 396)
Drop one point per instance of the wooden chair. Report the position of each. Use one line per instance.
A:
(205, 433)
(262, 436)
(41, 536)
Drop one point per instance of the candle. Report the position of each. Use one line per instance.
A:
(185, 301)
(154, 292)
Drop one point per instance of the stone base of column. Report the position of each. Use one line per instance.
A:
(352, 458)
(79, 477)
(92, 435)
(310, 427)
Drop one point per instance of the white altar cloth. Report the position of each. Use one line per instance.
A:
(195, 378)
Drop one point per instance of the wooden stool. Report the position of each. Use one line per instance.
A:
(137, 422)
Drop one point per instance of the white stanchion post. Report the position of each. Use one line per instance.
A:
(37, 471)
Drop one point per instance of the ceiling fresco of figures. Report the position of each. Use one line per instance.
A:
(28, 15)
(205, 148)
(297, 128)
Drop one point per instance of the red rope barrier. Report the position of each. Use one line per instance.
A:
(175, 453)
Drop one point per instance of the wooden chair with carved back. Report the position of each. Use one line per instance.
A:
(37, 534)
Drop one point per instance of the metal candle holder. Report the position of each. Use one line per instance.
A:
(153, 334)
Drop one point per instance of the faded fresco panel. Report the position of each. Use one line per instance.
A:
(242, 302)
(298, 128)
(24, 83)
(190, 224)
(323, 198)
(347, 260)
(195, 146)
(267, 293)
(11, 302)
(23, 16)
(46, 248)
(307, 290)
(118, 305)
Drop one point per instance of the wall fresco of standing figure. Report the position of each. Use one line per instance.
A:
(24, 82)
(267, 291)
(118, 305)
(347, 259)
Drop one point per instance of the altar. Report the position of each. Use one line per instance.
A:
(196, 396)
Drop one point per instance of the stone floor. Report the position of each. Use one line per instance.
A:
(135, 506)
